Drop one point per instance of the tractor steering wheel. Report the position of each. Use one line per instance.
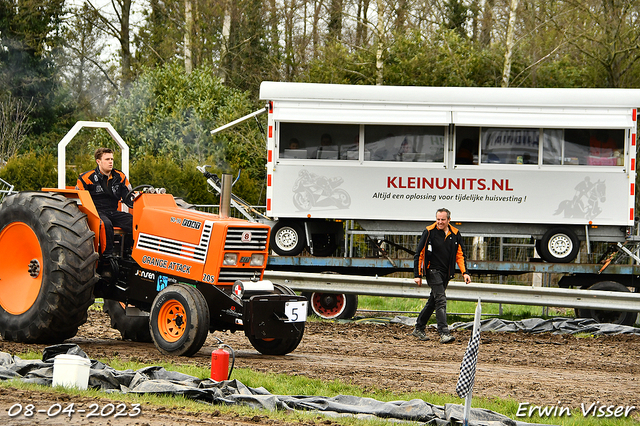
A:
(131, 195)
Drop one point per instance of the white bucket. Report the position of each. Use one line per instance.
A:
(71, 371)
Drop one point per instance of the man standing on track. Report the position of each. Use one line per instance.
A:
(107, 187)
(439, 249)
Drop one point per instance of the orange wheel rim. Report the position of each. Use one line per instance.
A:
(21, 268)
(172, 321)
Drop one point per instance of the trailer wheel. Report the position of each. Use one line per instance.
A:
(559, 245)
(179, 320)
(612, 317)
(278, 346)
(131, 328)
(287, 238)
(47, 268)
(332, 306)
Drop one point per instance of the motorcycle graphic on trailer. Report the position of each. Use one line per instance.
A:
(312, 190)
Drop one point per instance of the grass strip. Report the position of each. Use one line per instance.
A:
(284, 384)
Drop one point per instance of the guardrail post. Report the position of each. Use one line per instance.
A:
(546, 282)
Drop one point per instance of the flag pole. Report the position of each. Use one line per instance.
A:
(467, 400)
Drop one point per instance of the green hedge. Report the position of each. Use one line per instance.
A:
(31, 172)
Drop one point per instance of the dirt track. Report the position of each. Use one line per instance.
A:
(538, 369)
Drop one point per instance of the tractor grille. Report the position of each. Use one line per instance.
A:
(232, 274)
(176, 248)
(246, 239)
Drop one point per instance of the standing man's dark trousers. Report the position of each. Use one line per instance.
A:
(120, 219)
(437, 302)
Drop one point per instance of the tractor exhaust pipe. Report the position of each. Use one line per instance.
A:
(225, 195)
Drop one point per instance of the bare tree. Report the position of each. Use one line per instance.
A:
(224, 48)
(318, 4)
(188, 34)
(290, 10)
(88, 76)
(506, 70)
(119, 28)
(607, 32)
(380, 40)
(361, 22)
(402, 10)
(486, 25)
(14, 125)
(274, 19)
(335, 20)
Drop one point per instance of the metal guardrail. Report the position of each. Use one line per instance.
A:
(474, 266)
(490, 293)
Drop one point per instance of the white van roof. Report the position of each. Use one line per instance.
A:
(452, 96)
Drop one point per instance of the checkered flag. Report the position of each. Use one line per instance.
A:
(468, 366)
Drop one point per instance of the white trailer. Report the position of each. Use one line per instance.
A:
(554, 164)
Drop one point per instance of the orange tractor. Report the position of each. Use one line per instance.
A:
(186, 274)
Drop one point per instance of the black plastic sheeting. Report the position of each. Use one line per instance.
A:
(553, 325)
(538, 325)
(157, 380)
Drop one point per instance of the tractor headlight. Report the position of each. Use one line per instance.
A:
(230, 259)
(257, 259)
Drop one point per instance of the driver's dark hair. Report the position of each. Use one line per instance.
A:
(443, 210)
(101, 151)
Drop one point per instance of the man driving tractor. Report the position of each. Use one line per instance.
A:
(107, 187)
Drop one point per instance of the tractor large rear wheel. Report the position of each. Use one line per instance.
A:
(47, 268)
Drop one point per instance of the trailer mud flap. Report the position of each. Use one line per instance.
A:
(275, 316)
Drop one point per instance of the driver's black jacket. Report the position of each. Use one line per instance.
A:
(105, 191)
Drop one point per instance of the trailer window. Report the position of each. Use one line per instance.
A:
(509, 146)
(467, 143)
(404, 143)
(594, 147)
(318, 141)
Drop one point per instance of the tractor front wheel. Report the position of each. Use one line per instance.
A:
(47, 268)
(179, 320)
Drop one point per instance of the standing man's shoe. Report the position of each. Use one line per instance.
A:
(446, 338)
(420, 334)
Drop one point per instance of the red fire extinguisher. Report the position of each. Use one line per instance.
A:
(220, 362)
